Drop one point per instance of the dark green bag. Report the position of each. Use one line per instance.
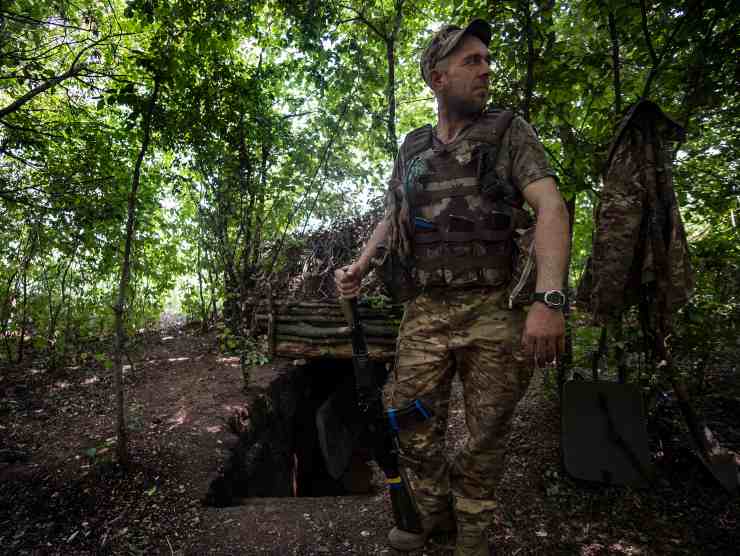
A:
(397, 279)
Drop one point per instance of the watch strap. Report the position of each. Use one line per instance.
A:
(543, 297)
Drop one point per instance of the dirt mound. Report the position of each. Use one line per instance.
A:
(309, 260)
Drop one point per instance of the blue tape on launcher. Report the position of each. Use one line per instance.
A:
(422, 409)
(423, 224)
(393, 420)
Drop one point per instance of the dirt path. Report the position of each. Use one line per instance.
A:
(66, 498)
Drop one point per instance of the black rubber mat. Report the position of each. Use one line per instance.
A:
(604, 435)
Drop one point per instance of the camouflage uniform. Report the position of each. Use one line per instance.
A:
(461, 323)
(637, 195)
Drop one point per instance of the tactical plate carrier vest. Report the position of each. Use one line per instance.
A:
(462, 213)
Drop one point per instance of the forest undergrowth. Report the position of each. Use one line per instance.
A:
(62, 493)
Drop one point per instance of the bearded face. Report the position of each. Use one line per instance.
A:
(460, 81)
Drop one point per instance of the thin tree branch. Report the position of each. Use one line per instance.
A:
(657, 59)
(557, 161)
(28, 130)
(23, 160)
(51, 23)
(322, 162)
(361, 17)
(646, 33)
(30, 95)
(74, 69)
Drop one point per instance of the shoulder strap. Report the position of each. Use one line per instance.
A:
(416, 142)
(492, 126)
(491, 129)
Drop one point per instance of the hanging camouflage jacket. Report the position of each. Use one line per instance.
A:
(636, 199)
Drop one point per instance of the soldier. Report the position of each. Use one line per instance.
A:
(455, 197)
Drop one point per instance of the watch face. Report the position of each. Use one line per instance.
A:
(554, 298)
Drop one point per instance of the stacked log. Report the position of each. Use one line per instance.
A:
(314, 329)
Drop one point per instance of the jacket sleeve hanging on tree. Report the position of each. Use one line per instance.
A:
(639, 163)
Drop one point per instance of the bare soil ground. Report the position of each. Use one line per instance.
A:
(60, 493)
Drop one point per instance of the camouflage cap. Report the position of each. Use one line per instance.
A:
(446, 39)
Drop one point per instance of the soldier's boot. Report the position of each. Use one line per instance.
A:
(473, 518)
(405, 541)
(436, 517)
(471, 543)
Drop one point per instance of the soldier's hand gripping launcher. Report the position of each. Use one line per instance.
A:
(382, 432)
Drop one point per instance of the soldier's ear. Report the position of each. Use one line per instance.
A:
(437, 79)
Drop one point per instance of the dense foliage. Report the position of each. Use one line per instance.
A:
(271, 116)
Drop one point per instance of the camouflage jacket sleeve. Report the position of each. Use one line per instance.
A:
(522, 157)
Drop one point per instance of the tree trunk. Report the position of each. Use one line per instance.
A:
(246, 176)
(231, 299)
(228, 256)
(33, 241)
(260, 208)
(5, 312)
(119, 308)
(566, 362)
(54, 312)
(390, 53)
(24, 319)
(390, 94)
(212, 289)
(203, 305)
(615, 62)
(529, 80)
(67, 334)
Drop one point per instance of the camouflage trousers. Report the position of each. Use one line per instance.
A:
(472, 333)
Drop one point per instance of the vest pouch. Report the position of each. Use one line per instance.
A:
(524, 275)
(492, 185)
(394, 275)
(496, 189)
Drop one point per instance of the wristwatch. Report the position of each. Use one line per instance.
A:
(554, 299)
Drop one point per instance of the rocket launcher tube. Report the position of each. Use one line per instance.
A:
(383, 440)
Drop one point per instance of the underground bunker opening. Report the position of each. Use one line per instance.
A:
(279, 453)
